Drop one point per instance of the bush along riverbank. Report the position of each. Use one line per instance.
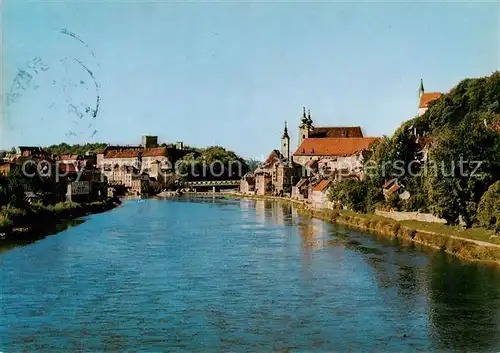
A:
(17, 223)
(468, 244)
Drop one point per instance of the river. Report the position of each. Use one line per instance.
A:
(238, 275)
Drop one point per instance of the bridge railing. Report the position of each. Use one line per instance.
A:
(213, 183)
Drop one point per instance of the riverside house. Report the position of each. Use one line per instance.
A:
(247, 184)
(318, 195)
(337, 158)
(278, 173)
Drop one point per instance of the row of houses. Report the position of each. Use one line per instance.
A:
(137, 169)
(324, 155)
(140, 168)
(58, 178)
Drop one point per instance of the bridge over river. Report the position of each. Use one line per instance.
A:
(214, 185)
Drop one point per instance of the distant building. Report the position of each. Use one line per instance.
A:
(147, 158)
(6, 168)
(247, 184)
(29, 151)
(278, 173)
(308, 130)
(394, 187)
(301, 190)
(425, 98)
(149, 141)
(332, 157)
(318, 196)
(140, 184)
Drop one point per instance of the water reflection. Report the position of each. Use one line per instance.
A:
(463, 305)
(239, 275)
(271, 212)
(31, 237)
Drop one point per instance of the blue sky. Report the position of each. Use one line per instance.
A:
(230, 73)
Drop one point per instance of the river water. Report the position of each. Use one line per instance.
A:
(238, 275)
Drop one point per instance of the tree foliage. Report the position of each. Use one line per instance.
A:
(12, 189)
(489, 208)
(448, 183)
(64, 148)
(466, 162)
(358, 196)
(253, 164)
(213, 162)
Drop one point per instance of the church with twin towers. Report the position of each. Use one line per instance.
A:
(308, 131)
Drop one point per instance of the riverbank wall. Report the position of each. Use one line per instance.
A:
(37, 219)
(465, 249)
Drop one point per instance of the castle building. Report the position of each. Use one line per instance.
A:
(121, 163)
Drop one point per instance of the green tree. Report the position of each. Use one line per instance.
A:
(213, 162)
(465, 161)
(358, 196)
(253, 164)
(13, 189)
(489, 208)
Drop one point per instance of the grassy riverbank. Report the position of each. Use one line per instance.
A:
(19, 223)
(474, 244)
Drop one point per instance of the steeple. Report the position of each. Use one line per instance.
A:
(309, 119)
(304, 121)
(285, 144)
(285, 133)
(305, 126)
(421, 88)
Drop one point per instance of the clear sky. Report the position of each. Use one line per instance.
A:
(230, 73)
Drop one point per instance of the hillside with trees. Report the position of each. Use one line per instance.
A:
(463, 159)
(64, 148)
(214, 162)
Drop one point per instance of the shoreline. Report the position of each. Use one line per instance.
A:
(34, 224)
(471, 250)
(39, 223)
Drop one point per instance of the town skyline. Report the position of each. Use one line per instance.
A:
(232, 74)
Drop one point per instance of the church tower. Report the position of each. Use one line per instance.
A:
(421, 89)
(305, 126)
(285, 144)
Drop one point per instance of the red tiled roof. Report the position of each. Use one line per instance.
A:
(67, 168)
(133, 153)
(274, 156)
(68, 157)
(392, 190)
(428, 97)
(336, 131)
(121, 154)
(321, 186)
(154, 152)
(392, 181)
(334, 146)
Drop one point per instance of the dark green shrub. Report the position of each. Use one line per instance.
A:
(489, 208)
